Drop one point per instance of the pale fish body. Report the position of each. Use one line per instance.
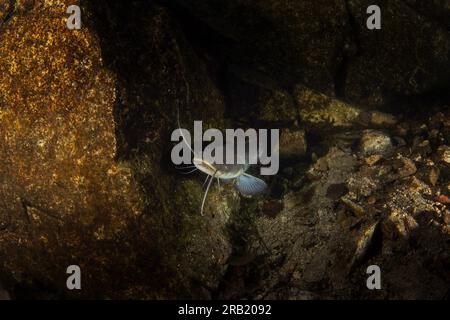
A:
(244, 182)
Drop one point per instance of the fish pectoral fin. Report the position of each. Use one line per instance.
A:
(250, 185)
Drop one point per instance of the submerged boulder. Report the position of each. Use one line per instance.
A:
(327, 46)
(81, 147)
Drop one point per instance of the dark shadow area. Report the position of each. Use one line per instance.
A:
(126, 50)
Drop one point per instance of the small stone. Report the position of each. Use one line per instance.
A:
(434, 176)
(354, 207)
(382, 119)
(375, 142)
(292, 143)
(313, 174)
(444, 153)
(290, 201)
(373, 159)
(321, 164)
(402, 223)
(362, 185)
(363, 243)
(422, 147)
(443, 199)
(407, 169)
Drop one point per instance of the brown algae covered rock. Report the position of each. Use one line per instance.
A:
(375, 142)
(74, 190)
(60, 183)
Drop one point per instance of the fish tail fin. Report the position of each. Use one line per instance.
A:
(250, 185)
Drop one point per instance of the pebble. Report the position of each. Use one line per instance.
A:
(363, 243)
(321, 164)
(443, 199)
(354, 207)
(407, 169)
(292, 143)
(382, 119)
(444, 153)
(375, 142)
(434, 176)
(373, 159)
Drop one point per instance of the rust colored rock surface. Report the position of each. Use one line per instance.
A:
(75, 186)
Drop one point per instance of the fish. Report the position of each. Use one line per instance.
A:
(245, 183)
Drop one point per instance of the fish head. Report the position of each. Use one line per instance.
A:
(204, 166)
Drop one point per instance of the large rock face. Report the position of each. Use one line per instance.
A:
(78, 185)
(327, 46)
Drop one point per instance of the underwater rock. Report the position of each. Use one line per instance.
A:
(361, 184)
(407, 167)
(373, 159)
(375, 142)
(363, 244)
(380, 119)
(433, 176)
(444, 153)
(303, 230)
(443, 199)
(81, 146)
(319, 112)
(292, 143)
(354, 207)
(403, 223)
